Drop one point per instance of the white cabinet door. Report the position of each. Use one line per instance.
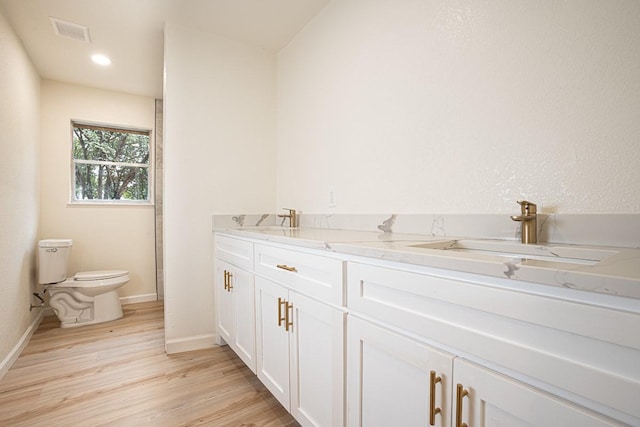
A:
(300, 353)
(389, 379)
(224, 302)
(236, 311)
(272, 340)
(491, 399)
(244, 340)
(317, 362)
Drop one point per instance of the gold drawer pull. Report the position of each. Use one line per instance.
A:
(227, 281)
(460, 393)
(229, 285)
(433, 410)
(286, 267)
(288, 323)
(281, 318)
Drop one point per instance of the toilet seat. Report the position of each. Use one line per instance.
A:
(93, 282)
(99, 275)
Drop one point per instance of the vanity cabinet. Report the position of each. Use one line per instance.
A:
(403, 324)
(396, 380)
(346, 339)
(281, 311)
(234, 290)
(300, 339)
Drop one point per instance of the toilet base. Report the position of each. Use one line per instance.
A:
(75, 309)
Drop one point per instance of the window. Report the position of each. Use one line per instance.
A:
(110, 164)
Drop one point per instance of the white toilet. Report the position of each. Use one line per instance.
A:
(85, 299)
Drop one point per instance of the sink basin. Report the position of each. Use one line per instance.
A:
(263, 228)
(505, 249)
(268, 229)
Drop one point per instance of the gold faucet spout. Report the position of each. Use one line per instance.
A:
(293, 218)
(529, 220)
(523, 217)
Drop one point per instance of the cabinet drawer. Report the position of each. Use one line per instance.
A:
(317, 276)
(235, 251)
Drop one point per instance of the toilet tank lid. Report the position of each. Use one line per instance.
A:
(55, 243)
(102, 274)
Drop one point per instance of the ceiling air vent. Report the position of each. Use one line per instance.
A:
(70, 30)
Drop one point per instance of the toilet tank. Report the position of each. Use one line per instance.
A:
(53, 257)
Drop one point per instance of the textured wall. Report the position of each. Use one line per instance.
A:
(462, 107)
(219, 157)
(19, 192)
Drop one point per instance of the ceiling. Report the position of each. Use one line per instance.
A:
(130, 32)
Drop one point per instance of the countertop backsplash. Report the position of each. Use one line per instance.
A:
(622, 230)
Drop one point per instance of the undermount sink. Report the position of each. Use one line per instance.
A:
(505, 249)
(259, 228)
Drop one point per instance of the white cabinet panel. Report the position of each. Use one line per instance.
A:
(272, 340)
(389, 381)
(493, 399)
(317, 276)
(244, 341)
(236, 318)
(317, 362)
(235, 251)
(224, 302)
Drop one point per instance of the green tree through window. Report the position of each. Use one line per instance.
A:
(110, 163)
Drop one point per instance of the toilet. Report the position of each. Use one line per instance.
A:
(85, 299)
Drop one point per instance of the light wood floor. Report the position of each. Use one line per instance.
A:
(117, 374)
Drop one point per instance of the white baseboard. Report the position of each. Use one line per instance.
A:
(138, 298)
(197, 342)
(10, 359)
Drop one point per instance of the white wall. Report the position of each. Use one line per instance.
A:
(19, 192)
(463, 106)
(219, 157)
(104, 237)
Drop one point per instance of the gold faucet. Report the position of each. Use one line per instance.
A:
(293, 218)
(529, 220)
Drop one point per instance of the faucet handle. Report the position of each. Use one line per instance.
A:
(528, 208)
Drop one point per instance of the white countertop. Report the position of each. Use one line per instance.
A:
(617, 273)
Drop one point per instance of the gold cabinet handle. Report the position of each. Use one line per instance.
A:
(460, 393)
(433, 410)
(229, 285)
(286, 267)
(281, 318)
(226, 280)
(288, 323)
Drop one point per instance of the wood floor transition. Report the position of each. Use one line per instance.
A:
(117, 374)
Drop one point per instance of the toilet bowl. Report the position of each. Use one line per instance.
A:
(87, 298)
(84, 299)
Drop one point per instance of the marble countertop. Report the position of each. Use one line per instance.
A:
(606, 270)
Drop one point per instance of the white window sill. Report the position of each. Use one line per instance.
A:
(111, 203)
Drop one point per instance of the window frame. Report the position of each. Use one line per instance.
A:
(118, 128)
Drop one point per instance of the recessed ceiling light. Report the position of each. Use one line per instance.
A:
(101, 59)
